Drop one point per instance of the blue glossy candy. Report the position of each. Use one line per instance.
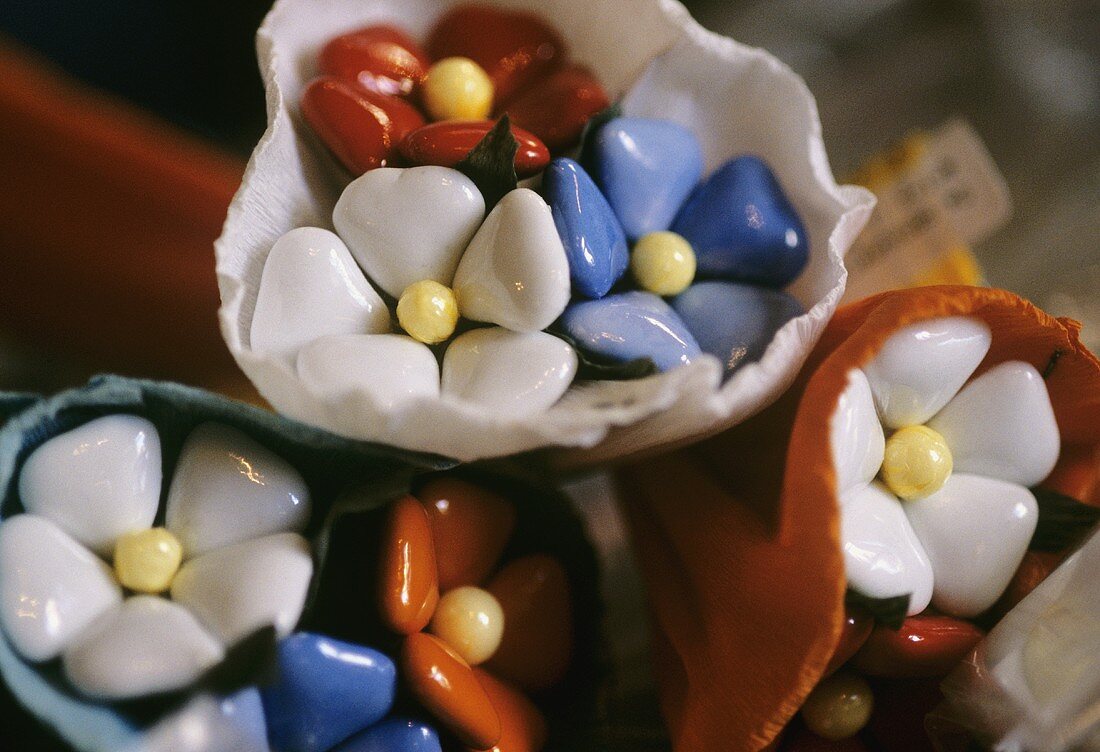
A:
(394, 735)
(734, 322)
(631, 325)
(742, 226)
(646, 168)
(327, 690)
(593, 238)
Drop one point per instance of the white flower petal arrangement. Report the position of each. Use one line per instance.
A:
(737, 100)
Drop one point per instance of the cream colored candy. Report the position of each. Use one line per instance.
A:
(917, 462)
(147, 560)
(457, 88)
(471, 622)
(838, 707)
(663, 263)
(428, 311)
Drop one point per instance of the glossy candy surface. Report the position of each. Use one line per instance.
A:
(631, 325)
(326, 691)
(360, 127)
(590, 232)
(522, 727)
(394, 735)
(457, 88)
(147, 560)
(916, 462)
(400, 368)
(381, 58)
(515, 48)
(470, 621)
(557, 108)
(743, 227)
(663, 263)
(926, 645)
(448, 143)
(427, 311)
(408, 588)
(855, 630)
(838, 707)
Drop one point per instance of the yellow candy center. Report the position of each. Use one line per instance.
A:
(838, 707)
(917, 462)
(471, 622)
(663, 263)
(147, 560)
(428, 311)
(457, 88)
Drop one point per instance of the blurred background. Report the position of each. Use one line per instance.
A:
(125, 126)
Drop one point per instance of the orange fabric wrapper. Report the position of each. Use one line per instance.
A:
(737, 537)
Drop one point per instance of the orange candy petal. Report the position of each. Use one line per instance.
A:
(407, 578)
(522, 727)
(470, 527)
(927, 645)
(538, 622)
(448, 688)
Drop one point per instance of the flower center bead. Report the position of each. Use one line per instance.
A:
(917, 462)
(663, 263)
(457, 88)
(428, 311)
(471, 622)
(146, 561)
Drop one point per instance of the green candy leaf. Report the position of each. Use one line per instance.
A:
(491, 164)
(591, 128)
(890, 612)
(591, 367)
(1063, 521)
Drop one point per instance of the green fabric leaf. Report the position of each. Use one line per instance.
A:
(591, 367)
(1063, 521)
(591, 128)
(491, 164)
(889, 612)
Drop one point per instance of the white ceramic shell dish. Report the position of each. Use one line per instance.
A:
(737, 100)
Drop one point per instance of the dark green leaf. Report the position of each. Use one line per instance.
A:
(591, 128)
(491, 164)
(889, 612)
(1063, 521)
(591, 367)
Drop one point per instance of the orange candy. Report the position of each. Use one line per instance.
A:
(450, 690)
(538, 622)
(522, 727)
(408, 580)
(557, 108)
(381, 58)
(470, 527)
(927, 645)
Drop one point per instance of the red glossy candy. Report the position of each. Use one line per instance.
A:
(556, 108)
(515, 48)
(927, 645)
(857, 628)
(361, 128)
(381, 58)
(408, 584)
(447, 143)
(522, 727)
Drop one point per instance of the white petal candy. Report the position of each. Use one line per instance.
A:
(147, 645)
(97, 481)
(506, 372)
(855, 434)
(228, 488)
(51, 587)
(515, 273)
(207, 722)
(392, 368)
(882, 555)
(922, 366)
(408, 224)
(975, 531)
(1002, 425)
(238, 589)
(311, 288)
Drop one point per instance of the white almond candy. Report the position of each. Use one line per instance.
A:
(208, 722)
(408, 224)
(975, 531)
(515, 273)
(238, 589)
(882, 555)
(97, 481)
(228, 488)
(51, 587)
(311, 288)
(922, 366)
(1002, 425)
(855, 434)
(509, 373)
(392, 368)
(146, 646)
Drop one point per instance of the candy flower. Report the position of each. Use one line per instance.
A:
(933, 471)
(131, 607)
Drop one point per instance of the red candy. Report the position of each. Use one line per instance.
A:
(857, 628)
(447, 143)
(361, 128)
(927, 645)
(383, 59)
(515, 48)
(557, 108)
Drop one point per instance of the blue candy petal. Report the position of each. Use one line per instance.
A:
(631, 325)
(593, 238)
(646, 168)
(394, 735)
(327, 690)
(742, 227)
